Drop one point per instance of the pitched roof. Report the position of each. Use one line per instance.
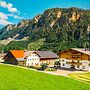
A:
(82, 50)
(21, 54)
(46, 54)
(17, 53)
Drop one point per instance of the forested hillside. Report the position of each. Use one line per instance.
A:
(61, 28)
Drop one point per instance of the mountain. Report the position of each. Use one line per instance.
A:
(14, 31)
(61, 28)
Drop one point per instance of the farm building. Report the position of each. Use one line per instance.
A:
(75, 58)
(38, 57)
(30, 58)
(15, 57)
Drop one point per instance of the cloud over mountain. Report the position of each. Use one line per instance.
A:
(12, 12)
(9, 6)
(4, 19)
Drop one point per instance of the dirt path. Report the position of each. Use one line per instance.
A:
(64, 72)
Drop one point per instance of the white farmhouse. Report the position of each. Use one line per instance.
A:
(38, 57)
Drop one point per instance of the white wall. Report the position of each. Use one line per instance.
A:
(64, 64)
(85, 64)
(32, 60)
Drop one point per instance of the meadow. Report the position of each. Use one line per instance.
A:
(17, 78)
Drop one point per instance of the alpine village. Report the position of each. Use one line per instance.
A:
(54, 44)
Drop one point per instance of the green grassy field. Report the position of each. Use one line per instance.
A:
(16, 78)
(82, 77)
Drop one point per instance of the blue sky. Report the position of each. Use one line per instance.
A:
(12, 11)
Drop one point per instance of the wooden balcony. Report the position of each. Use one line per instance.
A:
(75, 63)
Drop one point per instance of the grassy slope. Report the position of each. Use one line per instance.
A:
(36, 44)
(15, 78)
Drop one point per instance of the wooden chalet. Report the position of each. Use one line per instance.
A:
(75, 58)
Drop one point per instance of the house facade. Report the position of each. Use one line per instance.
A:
(75, 58)
(32, 60)
(39, 57)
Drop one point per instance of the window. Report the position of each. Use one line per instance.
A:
(78, 61)
(83, 67)
(67, 62)
(63, 60)
(75, 56)
(78, 66)
(89, 64)
(28, 59)
(63, 64)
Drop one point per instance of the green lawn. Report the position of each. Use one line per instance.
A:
(81, 76)
(16, 78)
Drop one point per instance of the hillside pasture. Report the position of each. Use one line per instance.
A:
(17, 78)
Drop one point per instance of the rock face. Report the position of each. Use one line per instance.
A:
(36, 18)
(59, 14)
(75, 17)
(10, 27)
(52, 19)
(23, 23)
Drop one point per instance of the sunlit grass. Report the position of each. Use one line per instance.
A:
(16, 78)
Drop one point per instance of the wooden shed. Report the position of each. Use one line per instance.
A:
(15, 57)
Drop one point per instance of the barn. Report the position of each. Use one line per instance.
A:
(15, 57)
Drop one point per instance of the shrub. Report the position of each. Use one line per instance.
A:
(43, 66)
(57, 64)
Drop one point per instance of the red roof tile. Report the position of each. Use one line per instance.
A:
(17, 53)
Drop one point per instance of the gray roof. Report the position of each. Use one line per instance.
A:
(42, 54)
(46, 54)
(82, 50)
(20, 59)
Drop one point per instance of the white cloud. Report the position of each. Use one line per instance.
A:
(9, 6)
(3, 16)
(4, 22)
(14, 16)
(4, 19)
(14, 13)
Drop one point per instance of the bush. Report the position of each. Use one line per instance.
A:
(43, 66)
(57, 64)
